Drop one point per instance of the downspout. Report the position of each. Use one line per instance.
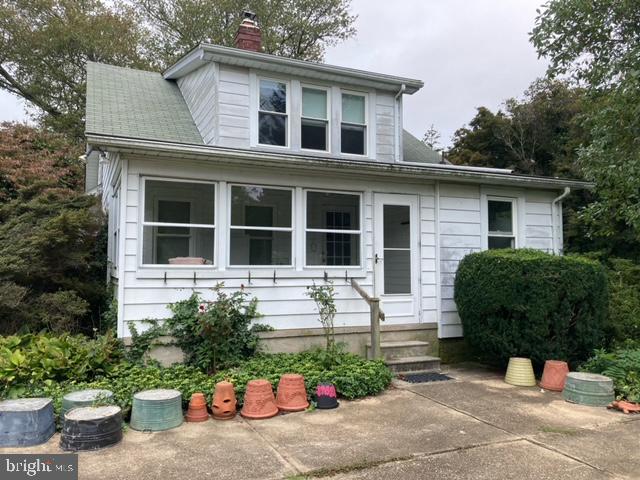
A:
(403, 87)
(554, 204)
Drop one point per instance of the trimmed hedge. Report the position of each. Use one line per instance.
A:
(531, 304)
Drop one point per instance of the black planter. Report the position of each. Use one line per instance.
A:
(91, 428)
(326, 396)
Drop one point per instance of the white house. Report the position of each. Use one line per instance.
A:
(251, 169)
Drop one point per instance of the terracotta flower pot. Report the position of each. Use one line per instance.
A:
(520, 372)
(292, 394)
(554, 375)
(326, 396)
(259, 401)
(197, 408)
(626, 407)
(224, 401)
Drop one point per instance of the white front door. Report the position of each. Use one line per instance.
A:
(395, 256)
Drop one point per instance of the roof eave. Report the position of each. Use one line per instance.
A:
(235, 56)
(264, 159)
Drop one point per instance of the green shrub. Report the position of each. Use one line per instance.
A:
(622, 366)
(29, 360)
(218, 334)
(529, 303)
(353, 377)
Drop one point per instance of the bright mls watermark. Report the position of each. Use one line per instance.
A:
(39, 466)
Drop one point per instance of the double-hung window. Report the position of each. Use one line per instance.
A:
(333, 229)
(179, 223)
(273, 113)
(501, 223)
(261, 226)
(353, 129)
(314, 124)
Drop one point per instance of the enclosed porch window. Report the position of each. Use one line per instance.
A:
(333, 229)
(179, 223)
(261, 226)
(501, 222)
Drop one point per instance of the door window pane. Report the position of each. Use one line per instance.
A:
(397, 249)
(500, 216)
(397, 271)
(353, 139)
(396, 226)
(314, 103)
(353, 109)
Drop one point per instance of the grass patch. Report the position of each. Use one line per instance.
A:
(559, 430)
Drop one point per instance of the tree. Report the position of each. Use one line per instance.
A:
(45, 44)
(51, 235)
(539, 134)
(597, 46)
(431, 138)
(290, 28)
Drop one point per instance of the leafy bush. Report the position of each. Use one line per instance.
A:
(529, 303)
(622, 366)
(29, 360)
(353, 376)
(216, 334)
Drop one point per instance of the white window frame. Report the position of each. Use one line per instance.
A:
(366, 126)
(230, 227)
(327, 120)
(287, 113)
(143, 223)
(306, 230)
(514, 220)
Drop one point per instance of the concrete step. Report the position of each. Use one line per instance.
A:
(424, 363)
(401, 349)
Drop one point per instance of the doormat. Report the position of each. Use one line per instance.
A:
(424, 377)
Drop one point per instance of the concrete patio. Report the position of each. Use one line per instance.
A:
(475, 427)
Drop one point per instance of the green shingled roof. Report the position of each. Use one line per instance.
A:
(137, 104)
(413, 150)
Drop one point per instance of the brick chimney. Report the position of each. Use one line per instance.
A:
(248, 36)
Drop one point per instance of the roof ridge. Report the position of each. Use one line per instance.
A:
(120, 67)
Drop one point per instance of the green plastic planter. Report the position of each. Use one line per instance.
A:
(156, 410)
(588, 389)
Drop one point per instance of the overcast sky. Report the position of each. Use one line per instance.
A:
(468, 53)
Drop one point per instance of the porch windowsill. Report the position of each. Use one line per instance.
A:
(203, 272)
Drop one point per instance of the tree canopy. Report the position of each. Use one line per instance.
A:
(45, 44)
(597, 46)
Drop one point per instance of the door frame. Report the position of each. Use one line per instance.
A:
(411, 200)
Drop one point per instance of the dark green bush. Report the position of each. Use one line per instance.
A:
(353, 376)
(532, 304)
(622, 366)
(29, 360)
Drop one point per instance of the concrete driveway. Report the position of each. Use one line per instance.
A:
(475, 427)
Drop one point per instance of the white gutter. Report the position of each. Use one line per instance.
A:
(554, 205)
(258, 158)
(396, 112)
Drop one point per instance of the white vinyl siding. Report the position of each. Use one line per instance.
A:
(199, 92)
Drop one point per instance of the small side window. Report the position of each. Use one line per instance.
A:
(273, 111)
(501, 223)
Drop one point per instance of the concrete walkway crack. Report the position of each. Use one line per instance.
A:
(527, 438)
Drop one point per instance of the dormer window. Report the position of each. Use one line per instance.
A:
(314, 128)
(273, 118)
(353, 129)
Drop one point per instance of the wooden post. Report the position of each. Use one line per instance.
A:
(375, 327)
